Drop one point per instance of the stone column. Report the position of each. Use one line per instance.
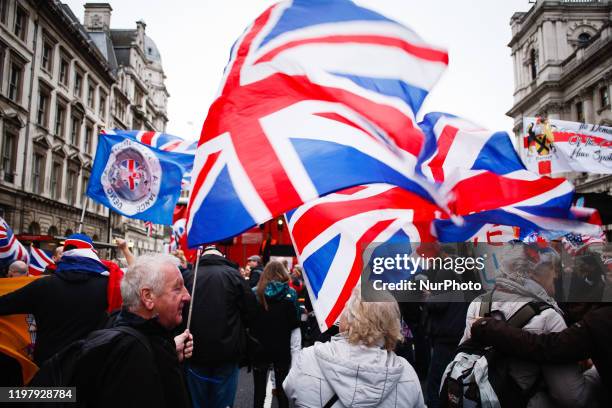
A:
(587, 105)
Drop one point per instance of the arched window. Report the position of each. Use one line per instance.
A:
(34, 228)
(584, 39)
(52, 231)
(533, 63)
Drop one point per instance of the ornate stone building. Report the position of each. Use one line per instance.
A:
(60, 83)
(562, 51)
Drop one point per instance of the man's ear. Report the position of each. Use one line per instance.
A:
(147, 298)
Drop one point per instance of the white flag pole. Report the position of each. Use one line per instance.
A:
(193, 287)
(83, 214)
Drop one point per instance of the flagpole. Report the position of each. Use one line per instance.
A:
(193, 287)
(83, 214)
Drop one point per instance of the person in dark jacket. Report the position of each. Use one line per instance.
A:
(222, 306)
(255, 269)
(68, 304)
(277, 316)
(131, 374)
(588, 338)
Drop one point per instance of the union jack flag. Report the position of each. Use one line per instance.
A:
(149, 227)
(39, 261)
(317, 96)
(489, 183)
(11, 249)
(132, 173)
(331, 233)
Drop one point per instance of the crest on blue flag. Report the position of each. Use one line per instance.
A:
(137, 180)
(131, 178)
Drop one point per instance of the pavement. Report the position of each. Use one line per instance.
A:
(244, 394)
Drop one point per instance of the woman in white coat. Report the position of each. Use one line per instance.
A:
(358, 367)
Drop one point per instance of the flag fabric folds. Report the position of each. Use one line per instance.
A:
(135, 179)
(11, 249)
(82, 258)
(331, 233)
(164, 142)
(489, 184)
(18, 332)
(39, 261)
(312, 89)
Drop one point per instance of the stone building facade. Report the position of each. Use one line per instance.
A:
(562, 52)
(61, 82)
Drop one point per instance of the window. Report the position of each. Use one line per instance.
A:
(88, 136)
(2, 55)
(71, 186)
(56, 180)
(78, 84)
(20, 29)
(120, 109)
(3, 10)
(579, 112)
(43, 106)
(102, 106)
(60, 119)
(84, 188)
(63, 76)
(604, 96)
(138, 96)
(533, 63)
(9, 147)
(47, 56)
(90, 96)
(584, 39)
(15, 82)
(38, 168)
(75, 131)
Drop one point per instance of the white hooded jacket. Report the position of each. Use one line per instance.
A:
(361, 377)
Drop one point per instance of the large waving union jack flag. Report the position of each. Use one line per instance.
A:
(317, 96)
(331, 235)
(489, 183)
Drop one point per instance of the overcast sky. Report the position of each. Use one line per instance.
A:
(194, 38)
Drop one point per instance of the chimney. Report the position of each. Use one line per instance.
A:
(97, 16)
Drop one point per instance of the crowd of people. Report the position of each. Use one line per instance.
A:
(163, 333)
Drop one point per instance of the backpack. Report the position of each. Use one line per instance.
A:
(61, 369)
(479, 375)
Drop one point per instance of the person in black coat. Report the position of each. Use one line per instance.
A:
(255, 269)
(66, 305)
(223, 305)
(277, 317)
(133, 374)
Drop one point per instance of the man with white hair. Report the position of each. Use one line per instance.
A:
(139, 372)
(17, 268)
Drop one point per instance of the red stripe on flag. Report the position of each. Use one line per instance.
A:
(147, 138)
(171, 146)
(424, 53)
(320, 217)
(355, 272)
(495, 191)
(445, 141)
(233, 78)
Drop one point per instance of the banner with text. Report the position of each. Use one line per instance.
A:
(553, 146)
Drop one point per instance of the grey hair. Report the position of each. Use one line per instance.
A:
(145, 272)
